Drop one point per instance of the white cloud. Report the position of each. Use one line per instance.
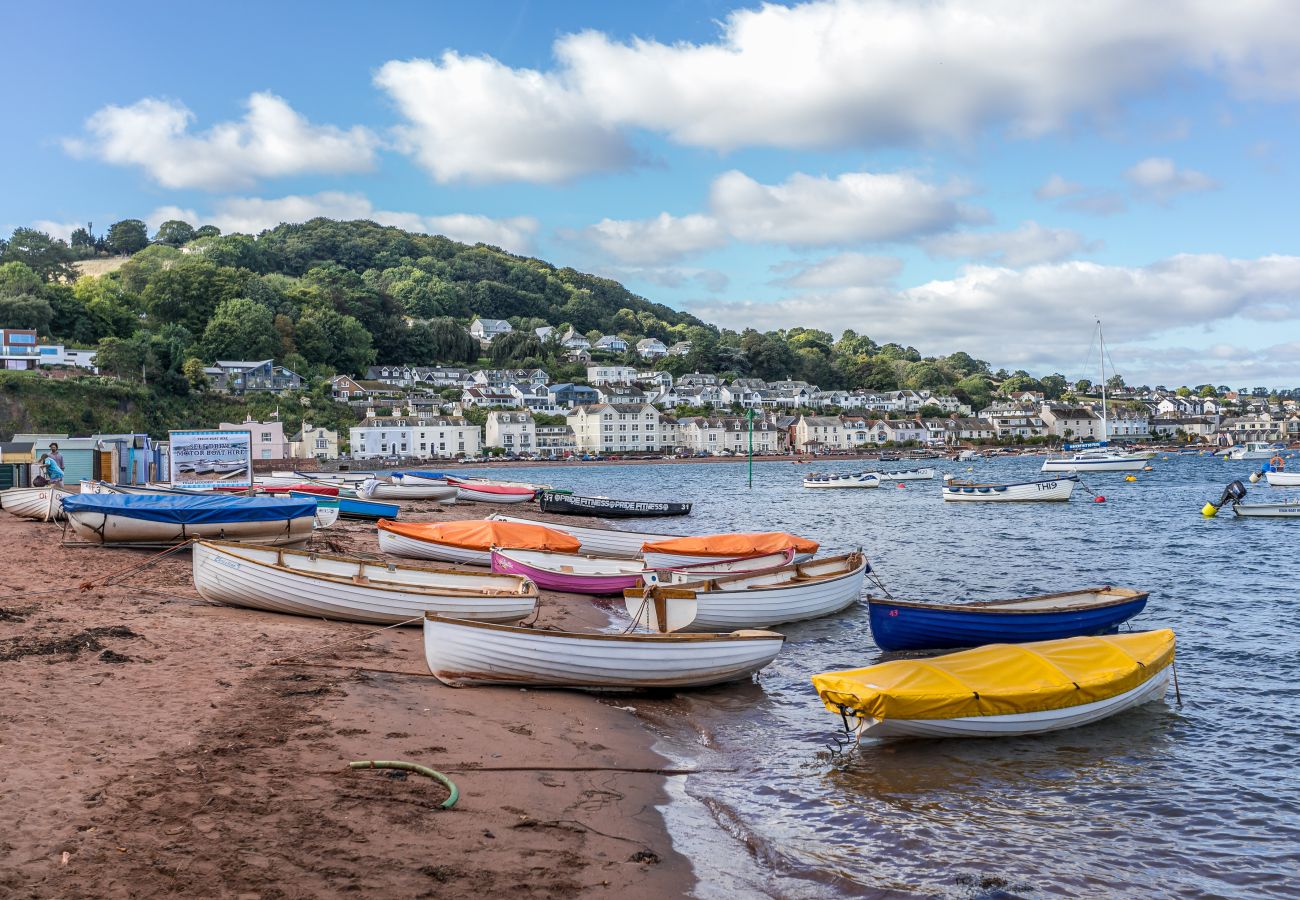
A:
(1157, 177)
(651, 241)
(61, 230)
(272, 140)
(1040, 317)
(1056, 187)
(853, 207)
(1029, 244)
(251, 215)
(712, 280)
(841, 270)
(830, 74)
(477, 120)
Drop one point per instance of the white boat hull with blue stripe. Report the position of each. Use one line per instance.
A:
(1058, 489)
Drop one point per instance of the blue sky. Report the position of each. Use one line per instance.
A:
(986, 177)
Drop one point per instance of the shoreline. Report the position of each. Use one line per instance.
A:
(154, 749)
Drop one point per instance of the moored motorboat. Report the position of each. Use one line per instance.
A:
(1047, 489)
(470, 541)
(855, 480)
(1285, 509)
(608, 508)
(468, 653)
(375, 489)
(921, 625)
(686, 551)
(1097, 461)
(162, 520)
(353, 590)
(922, 474)
(594, 540)
(756, 599)
(1002, 689)
(1253, 450)
(43, 504)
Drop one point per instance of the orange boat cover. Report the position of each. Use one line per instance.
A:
(476, 534)
(734, 545)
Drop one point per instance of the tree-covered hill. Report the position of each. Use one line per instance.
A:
(327, 296)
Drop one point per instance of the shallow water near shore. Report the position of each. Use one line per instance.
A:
(1168, 800)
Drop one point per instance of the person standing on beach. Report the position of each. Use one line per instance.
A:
(55, 455)
(53, 471)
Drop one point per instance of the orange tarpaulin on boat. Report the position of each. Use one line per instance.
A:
(478, 534)
(735, 545)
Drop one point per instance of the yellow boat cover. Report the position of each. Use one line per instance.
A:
(1000, 679)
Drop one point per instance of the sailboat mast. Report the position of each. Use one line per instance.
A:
(1101, 343)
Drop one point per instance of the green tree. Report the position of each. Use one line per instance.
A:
(82, 240)
(128, 236)
(241, 329)
(50, 258)
(26, 311)
(174, 232)
(207, 231)
(192, 369)
(515, 348)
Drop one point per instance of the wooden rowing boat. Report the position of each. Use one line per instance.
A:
(918, 625)
(468, 542)
(43, 504)
(599, 575)
(1002, 689)
(353, 590)
(166, 519)
(758, 599)
(463, 653)
(427, 490)
(593, 539)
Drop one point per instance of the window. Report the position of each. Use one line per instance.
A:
(266, 437)
(322, 444)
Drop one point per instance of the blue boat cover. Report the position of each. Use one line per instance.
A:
(424, 474)
(199, 510)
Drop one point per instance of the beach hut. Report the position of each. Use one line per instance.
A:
(15, 463)
(125, 458)
(81, 461)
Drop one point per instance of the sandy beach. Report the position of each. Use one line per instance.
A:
(153, 746)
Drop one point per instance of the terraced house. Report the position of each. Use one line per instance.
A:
(419, 436)
(615, 427)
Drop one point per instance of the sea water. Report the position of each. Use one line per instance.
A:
(1196, 799)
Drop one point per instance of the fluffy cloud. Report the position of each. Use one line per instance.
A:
(841, 270)
(662, 239)
(804, 210)
(1158, 178)
(712, 280)
(855, 206)
(251, 215)
(1056, 187)
(272, 140)
(1040, 317)
(1029, 244)
(832, 73)
(474, 119)
(61, 230)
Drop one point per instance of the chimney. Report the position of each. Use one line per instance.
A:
(370, 412)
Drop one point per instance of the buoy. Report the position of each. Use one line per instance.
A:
(1208, 510)
(1099, 499)
(1130, 478)
(1147, 468)
(1254, 477)
(970, 468)
(901, 485)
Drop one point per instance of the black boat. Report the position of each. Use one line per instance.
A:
(574, 505)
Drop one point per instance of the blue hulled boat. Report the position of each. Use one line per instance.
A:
(919, 625)
(357, 508)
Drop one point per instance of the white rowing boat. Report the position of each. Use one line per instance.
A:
(469, 542)
(922, 474)
(598, 575)
(678, 552)
(166, 519)
(1283, 479)
(1047, 489)
(758, 599)
(467, 653)
(855, 480)
(373, 489)
(1002, 689)
(353, 590)
(594, 540)
(43, 504)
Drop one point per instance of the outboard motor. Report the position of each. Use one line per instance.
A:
(1235, 492)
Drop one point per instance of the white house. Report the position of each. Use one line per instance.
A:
(817, 433)
(513, 431)
(610, 343)
(703, 434)
(574, 341)
(487, 329)
(555, 440)
(314, 443)
(681, 348)
(902, 430)
(536, 397)
(611, 374)
(424, 437)
(268, 437)
(487, 398)
(651, 348)
(1081, 423)
(615, 427)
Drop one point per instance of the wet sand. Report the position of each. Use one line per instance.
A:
(151, 748)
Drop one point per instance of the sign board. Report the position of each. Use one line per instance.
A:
(210, 458)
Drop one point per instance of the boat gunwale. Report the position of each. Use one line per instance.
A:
(990, 606)
(743, 634)
(714, 585)
(529, 588)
